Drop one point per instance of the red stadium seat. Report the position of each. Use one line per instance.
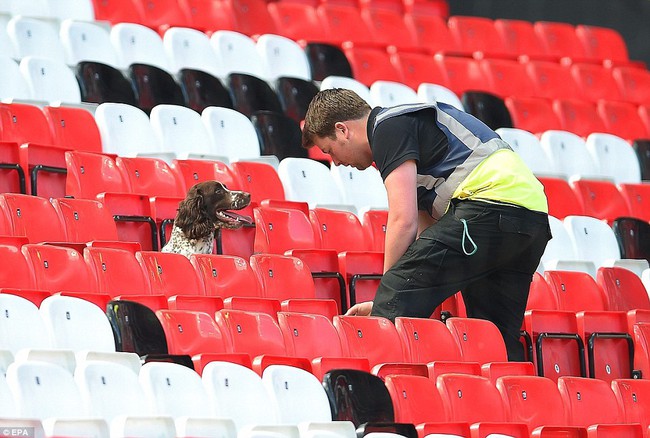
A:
(374, 224)
(226, 276)
(476, 36)
(576, 291)
(589, 401)
(479, 340)
(343, 23)
(191, 333)
(638, 199)
(602, 44)
(633, 83)
(250, 17)
(59, 269)
(415, 399)
(623, 289)
(18, 272)
(118, 11)
(310, 336)
(622, 119)
(33, 217)
(374, 338)
(283, 277)
(532, 114)
(417, 68)
(505, 77)
(117, 271)
(387, 28)
(551, 80)
(471, 399)
(559, 40)
(533, 400)
(207, 15)
(85, 220)
(519, 39)
(426, 340)
(578, 116)
(162, 14)
(74, 128)
(370, 64)
(170, 274)
(600, 199)
(594, 82)
(562, 200)
(150, 176)
(196, 303)
(430, 33)
(296, 21)
(633, 395)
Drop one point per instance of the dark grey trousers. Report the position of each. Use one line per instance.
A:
(494, 280)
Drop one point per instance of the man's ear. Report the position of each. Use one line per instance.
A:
(343, 127)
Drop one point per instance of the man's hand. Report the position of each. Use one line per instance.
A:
(361, 309)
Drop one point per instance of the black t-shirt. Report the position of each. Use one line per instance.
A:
(410, 136)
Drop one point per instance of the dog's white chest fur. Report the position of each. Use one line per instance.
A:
(180, 244)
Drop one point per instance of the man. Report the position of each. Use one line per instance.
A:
(464, 212)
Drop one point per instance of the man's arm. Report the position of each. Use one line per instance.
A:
(402, 225)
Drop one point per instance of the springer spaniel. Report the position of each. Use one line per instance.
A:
(201, 213)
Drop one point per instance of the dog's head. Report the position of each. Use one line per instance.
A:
(207, 206)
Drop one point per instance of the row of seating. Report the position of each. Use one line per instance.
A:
(289, 402)
(601, 338)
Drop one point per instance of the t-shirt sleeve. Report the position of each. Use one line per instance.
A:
(394, 142)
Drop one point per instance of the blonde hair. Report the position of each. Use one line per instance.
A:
(327, 108)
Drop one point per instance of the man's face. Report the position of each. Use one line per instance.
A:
(347, 148)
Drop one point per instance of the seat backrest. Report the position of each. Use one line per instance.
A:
(576, 291)
(226, 276)
(125, 130)
(560, 246)
(137, 328)
(180, 131)
(89, 174)
(117, 271)
(85, 219)
(633, 396)
(150, 176)
(110, 389)
(251, 332)
(190, 332)
(50, 79)
(170, 274)
(614, 157)
(59, 269)
(533, 400)
(362, 188)
(261, 180)
(568, 153)
(33, 217)
(373, 337)
(346, 82)
(86, 41)
(135, 43)
(283, 277)
(34, 37)
(479, 340)
(190, 48)
(623, 289)
(339, 230)
(632, 236)
(622, 119)
(426, 340)
(22, 325)
(280, 229)
(308, 181)
(297, 394)
(309, 335)
(534, 114)
(528, 147)
(282, 56)
(238, 393)
(415, 399)
(44, 390)
(358, 396)
(174, 390)
(13, 84)
(470, 398)
(236, 53)
(601, 199)
(589, 401)
(76, 324)
(390, 93)
(432, 93)
(578, 116)
(74, 128)
(562, 200)
(593, 239)
(232, 134)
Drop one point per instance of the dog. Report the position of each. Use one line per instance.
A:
(205, 209)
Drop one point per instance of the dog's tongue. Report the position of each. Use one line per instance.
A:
(238, 217)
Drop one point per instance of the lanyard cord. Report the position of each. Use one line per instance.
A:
(466, 235)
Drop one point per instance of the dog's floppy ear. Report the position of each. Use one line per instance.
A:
(192, 216)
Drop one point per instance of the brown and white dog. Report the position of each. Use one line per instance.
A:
(201, 213)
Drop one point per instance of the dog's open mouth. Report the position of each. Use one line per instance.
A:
(233, 218)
